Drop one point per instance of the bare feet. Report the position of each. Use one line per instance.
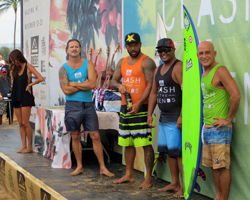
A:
(106, 172)
(27, 150)
(19, 151)
(124, 179)
(146, 184)
(77, 172)
(179, 194)
(170, 187)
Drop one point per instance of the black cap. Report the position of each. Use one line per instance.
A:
(165, 42)
(132, 37)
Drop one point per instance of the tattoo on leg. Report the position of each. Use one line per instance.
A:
(149, 154)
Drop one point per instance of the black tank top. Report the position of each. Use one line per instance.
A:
(169, 95)
(18, 91)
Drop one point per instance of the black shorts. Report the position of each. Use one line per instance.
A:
(77, 113)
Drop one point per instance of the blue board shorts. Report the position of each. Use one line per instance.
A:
(77, 113)
(170, 139)
(216, 146)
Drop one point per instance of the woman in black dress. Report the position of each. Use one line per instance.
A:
(22, 96)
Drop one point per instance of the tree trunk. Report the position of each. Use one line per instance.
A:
(15, 29)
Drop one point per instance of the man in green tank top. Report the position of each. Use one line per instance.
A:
(221, 98)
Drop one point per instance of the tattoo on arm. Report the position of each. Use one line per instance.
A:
(63, 78)
(148, 69)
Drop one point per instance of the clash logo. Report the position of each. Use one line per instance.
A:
(129, 72)
(161, 83)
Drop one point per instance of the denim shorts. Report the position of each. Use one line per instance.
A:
(77, 113)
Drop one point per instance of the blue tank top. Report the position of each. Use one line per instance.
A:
(79, 75)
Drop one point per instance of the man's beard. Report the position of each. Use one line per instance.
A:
(134, 56)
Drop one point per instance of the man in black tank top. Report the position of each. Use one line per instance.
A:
(166, 92)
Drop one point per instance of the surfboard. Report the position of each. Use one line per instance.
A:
(192, 118)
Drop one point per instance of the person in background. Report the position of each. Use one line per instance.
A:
(2, 63)
(4, 90)
(22, 96)
(6, 66)
(221, 99)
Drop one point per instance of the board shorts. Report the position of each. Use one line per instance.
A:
(77, 113)
(3, 108)
(133, 129)
(170, 139)
(216, 146)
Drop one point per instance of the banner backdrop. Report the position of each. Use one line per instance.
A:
(100, 26)
(226, 24)
(36, 50)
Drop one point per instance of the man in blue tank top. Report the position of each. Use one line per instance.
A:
(166, 92)
(77, 78)
(221, 99)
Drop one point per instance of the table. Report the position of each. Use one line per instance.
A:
(51, 138)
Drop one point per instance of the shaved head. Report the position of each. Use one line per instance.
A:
(206, 44)
(206, 54)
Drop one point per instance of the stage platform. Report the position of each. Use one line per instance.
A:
(34, 175)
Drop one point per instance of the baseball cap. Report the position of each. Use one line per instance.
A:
(3, 69)
(165, 42)
(132, 37)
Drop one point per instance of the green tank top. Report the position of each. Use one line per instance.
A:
(215, 101)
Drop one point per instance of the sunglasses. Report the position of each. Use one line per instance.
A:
(166, 50)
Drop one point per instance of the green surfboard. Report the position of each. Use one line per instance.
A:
(192, 118)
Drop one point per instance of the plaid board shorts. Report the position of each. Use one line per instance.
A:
(216, 147)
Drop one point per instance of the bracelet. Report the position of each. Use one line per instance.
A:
(181, 114)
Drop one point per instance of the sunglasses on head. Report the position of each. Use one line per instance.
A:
(166, 50)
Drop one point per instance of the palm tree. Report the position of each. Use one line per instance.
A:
(84, 18)
(4, 6)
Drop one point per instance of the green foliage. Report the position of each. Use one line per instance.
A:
(6, 5)
(4, 52)
(84, 18)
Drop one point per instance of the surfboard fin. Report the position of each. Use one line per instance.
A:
(202, 174)
(197, 187)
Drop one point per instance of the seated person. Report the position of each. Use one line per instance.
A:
(5, 85)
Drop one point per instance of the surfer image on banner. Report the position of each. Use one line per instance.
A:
(166, 92)
(221, 98)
